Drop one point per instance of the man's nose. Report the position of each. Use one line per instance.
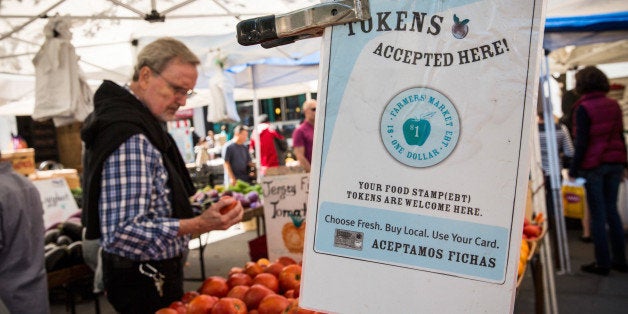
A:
(181, 101)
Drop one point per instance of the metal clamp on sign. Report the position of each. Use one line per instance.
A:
(276, 30)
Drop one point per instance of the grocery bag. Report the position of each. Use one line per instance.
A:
(573, 199)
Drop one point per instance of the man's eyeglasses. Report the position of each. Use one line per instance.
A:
(178, 90)
(313, 109)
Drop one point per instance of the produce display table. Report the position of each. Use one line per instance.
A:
(258, 214)
(68, 278)
(249, 213)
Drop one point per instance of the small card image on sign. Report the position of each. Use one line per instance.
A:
(348, 239)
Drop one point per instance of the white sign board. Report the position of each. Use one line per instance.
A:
(56, 199)
(285, 207)
(421, 158)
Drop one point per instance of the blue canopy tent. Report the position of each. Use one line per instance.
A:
(585, 29)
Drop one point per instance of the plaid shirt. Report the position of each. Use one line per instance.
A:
(135, 204)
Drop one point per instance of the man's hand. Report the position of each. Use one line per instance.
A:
(299, 152)
(212, 219)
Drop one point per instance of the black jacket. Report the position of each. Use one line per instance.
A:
(117, 116)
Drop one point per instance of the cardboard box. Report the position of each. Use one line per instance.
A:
(23, 160)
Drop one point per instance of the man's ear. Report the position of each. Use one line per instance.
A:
(144, 77)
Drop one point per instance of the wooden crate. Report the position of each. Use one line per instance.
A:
(23, 160)
(70, 146)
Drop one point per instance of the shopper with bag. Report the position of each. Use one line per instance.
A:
(600, 158)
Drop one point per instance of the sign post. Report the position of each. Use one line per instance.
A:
(421, 158)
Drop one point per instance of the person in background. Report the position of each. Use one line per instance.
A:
(568, 100)
(565, 154)
(303, 135)
(237, 158)
(210, 139)
(136, 186)
(268, 136)
(224, 133)
(23, 281)
(600, 158)
(195, 138)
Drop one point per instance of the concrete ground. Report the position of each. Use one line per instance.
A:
(579, 292)
(576, 292)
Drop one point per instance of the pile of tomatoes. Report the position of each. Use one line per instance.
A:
(532, 232)
(261, 287)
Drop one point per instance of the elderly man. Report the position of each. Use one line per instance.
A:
(303, 135)
(136, 185)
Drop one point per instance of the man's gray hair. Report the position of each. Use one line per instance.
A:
(158, 54)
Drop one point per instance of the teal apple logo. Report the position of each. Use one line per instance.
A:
(416, 131)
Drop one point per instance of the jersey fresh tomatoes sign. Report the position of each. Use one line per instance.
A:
(285, 207)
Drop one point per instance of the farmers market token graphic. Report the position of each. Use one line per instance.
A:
(420, 127)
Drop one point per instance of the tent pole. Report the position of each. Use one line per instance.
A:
(255, 124)
(31, 20)
(552, 152)
(176, 6)
(539, 203)
(130, 8)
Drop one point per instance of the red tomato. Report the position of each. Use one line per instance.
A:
(179, 306)
(253, 269)
(274, 268)
(216, 286)
(239, 279)
(229, 207)
(290, 277)
(188, 296)
(532, 231)
(229, 306)
(268, 280)
(201, 304)
(254, 296)
(273, 304)
(238, 292)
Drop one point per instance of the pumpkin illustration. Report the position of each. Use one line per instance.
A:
(293, 234)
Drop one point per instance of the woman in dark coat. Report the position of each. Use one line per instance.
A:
(600, 158)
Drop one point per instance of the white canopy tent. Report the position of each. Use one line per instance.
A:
(107, 34)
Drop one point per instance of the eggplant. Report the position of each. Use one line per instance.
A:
(49, 247)
(75, 253)
(64, 240)
(56, 258)
(51, 236)
(72, 230)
